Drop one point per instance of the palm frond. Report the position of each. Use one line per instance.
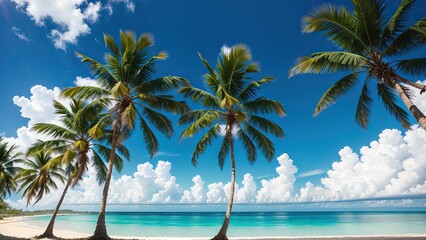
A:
(164, 103)
(409, 40)
(250, 91)
(198, 95)
(363, 108)
(389, 101)
(263, 105)
(224, 149)
(53, 130)
(161, 85)
(100, 71)
(248, 145)
(99, 165)
(160, 121)
(204, 142)
(369, 21)
(200, 120)
(266, 146)
(397, 22)
(149, 138)
(85, 92)
(336, 90)
(337, 24)
(266, 125)
(328, 62)
(414, 66)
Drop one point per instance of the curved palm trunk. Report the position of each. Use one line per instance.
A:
(222, 232)
(100, 231)
(418, 115)
(48, 233)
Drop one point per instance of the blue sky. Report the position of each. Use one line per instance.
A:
(271, 29)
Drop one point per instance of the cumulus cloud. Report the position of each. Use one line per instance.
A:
(392, 165)
(70, 17)
(197, 193)
(280, 188)
(20, 34)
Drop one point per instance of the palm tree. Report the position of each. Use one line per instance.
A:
(73, 146)
(232, 102)
(369, 44)
(8, 169)
(39, 176)
(125, 81)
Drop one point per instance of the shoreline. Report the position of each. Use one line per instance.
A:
(17, 228)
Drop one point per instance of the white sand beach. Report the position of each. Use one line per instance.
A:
(20, 228)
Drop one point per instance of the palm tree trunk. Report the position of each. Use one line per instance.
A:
(418, 115)
(48, 233)
(100, 231)
(223, 230)
(413, 84)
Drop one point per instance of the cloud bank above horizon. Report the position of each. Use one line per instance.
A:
(392, 165)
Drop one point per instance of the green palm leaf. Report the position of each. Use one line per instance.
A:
(336, 90)
(414, 66)
(389, 101)
(363, 107)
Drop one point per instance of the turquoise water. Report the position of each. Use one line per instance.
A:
(206, 224)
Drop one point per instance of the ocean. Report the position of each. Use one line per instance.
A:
(243, 224)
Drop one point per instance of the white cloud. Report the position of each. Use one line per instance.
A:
(392, 165)
(197, 193)
(222, 130)
(69, 16)
(21, 35)
(92, 12)
(81, 81)
(311, 173)
(130, 5)
(279, 189)
(225, 50)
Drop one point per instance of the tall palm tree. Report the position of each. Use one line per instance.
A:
(38, 176)
(231, 101)
(125, 81)
(368, 45)
(8, 168)
(74, 146)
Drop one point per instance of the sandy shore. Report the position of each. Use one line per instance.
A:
(17, 228)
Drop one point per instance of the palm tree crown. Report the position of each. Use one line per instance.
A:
(8, 168)
(38, 176)
(125, 81)
(368, 44)
(71, 142)
(232, 102)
